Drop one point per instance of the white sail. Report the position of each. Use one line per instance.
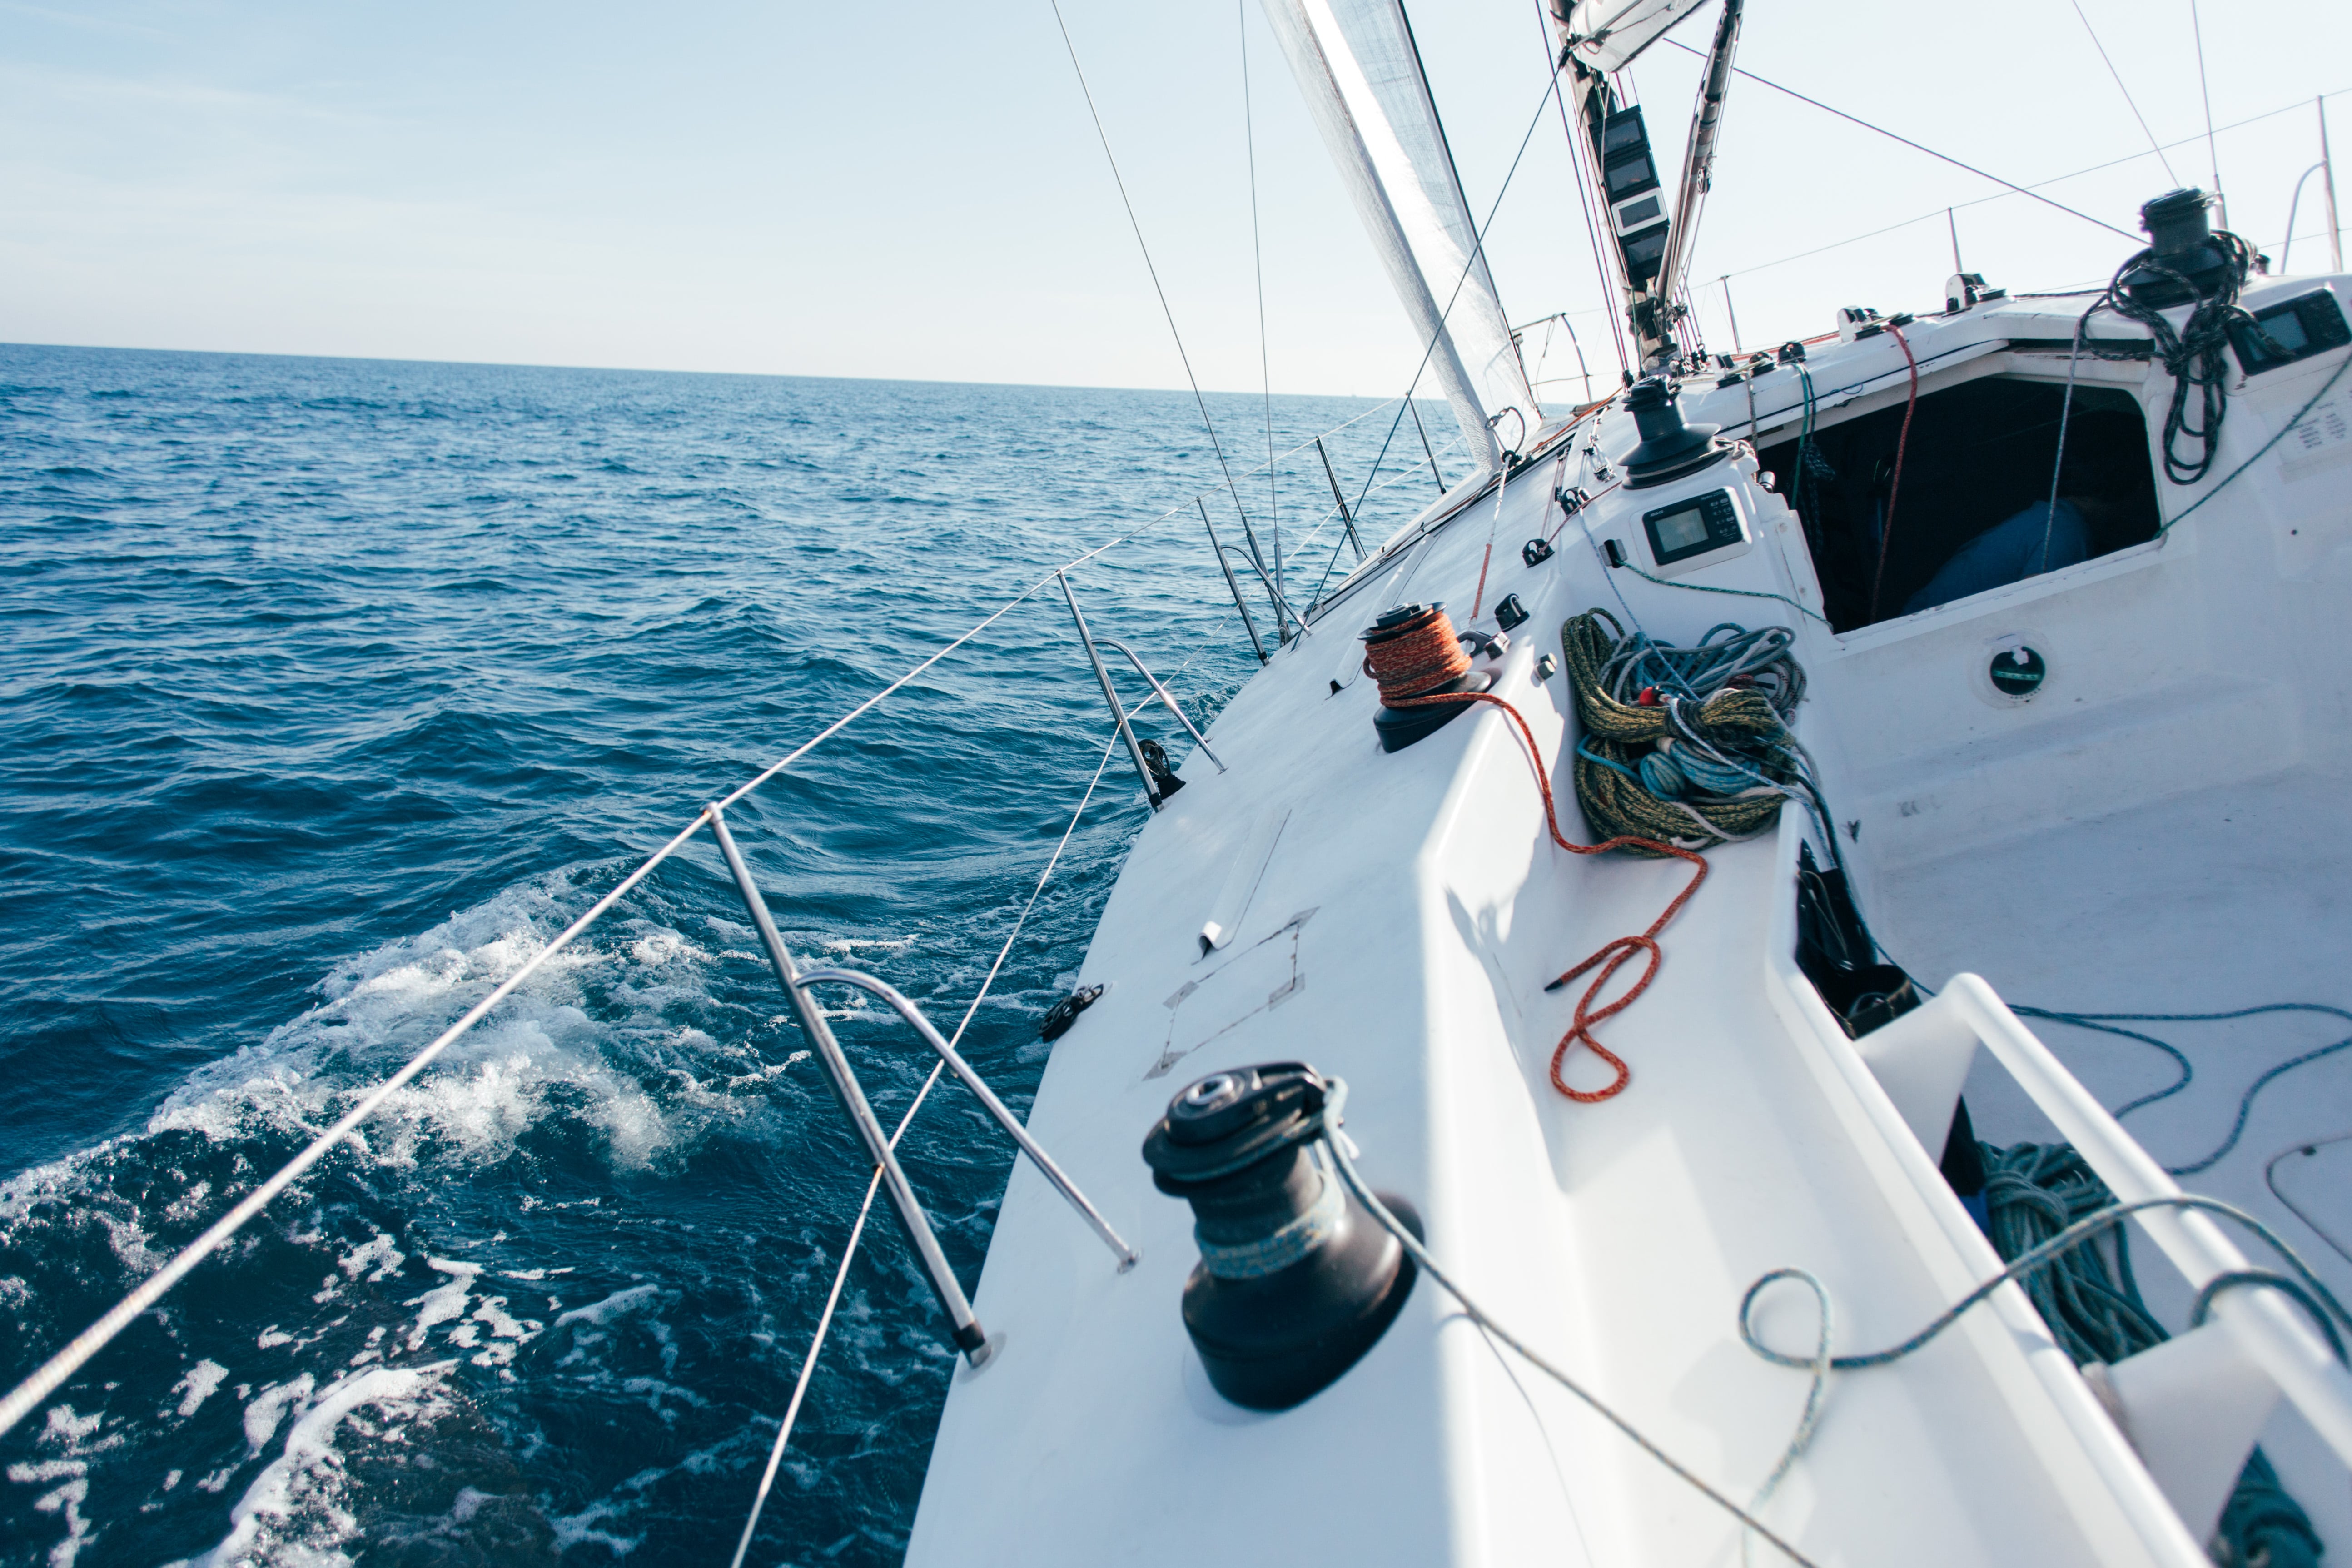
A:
(1362, 80)
(1605, 34)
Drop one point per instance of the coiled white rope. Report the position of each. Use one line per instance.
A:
(873, 1184)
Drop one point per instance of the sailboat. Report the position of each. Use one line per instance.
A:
(1598, 1067)
(1942, 682)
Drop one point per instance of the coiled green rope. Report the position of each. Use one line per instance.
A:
(1711, 759)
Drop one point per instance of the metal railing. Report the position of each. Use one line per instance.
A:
(2191, 1408)
(52, 1374)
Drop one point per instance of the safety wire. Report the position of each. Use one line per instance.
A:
(873, 1184)
(27, 1394)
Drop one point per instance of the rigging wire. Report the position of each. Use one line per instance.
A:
(1257, 260)
(873, 1185)
(2004, 196)
(21, 1400)
(1165, 309)
(2129, 101)
(1584, 199)
(1916, 147)
(1477, 254)
(2196, 34)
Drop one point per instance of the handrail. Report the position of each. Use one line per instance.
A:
(1110, 695)
(1127, 1256)
(1919, 1054)
(969, 1337)
(51, 1374)
(1182, 717)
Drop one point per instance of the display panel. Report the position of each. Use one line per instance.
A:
(1679, 530)
(1697, 527)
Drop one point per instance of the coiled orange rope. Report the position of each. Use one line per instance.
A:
(1407, 667)
(1420, 656)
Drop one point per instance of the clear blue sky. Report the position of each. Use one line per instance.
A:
(915, 190)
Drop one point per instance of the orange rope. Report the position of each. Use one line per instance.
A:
(1410, 665)
(1421, 657)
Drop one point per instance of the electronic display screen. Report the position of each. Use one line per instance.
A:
(1629, 174)
(2284, 328)
(1644, 249)
(1678, 531)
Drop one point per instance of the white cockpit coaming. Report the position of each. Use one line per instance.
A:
(1399, 935)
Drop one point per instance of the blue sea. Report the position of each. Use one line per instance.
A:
(333, 689)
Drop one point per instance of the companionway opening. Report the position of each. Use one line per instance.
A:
(1974, 511)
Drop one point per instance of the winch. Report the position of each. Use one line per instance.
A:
(1670, 448)
(1297, 1280)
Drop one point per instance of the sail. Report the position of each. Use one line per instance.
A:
(1361, 76)
(1605, 34)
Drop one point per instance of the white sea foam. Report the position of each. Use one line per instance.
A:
(199, 1384)
(293, 1511)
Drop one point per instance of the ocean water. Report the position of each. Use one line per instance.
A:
(331, 690)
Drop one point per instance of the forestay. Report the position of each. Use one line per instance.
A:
(1361, 76)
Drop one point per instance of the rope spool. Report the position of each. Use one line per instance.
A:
(1411, 651)
(1414, 654)
(1692, 772)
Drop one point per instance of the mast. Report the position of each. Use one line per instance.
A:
(1698, 158)
(1653, 238)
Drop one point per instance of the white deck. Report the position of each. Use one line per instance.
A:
(2063, 848)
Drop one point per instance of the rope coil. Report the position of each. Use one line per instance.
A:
(1426, 654)
(1415, 656)
(1689, 746)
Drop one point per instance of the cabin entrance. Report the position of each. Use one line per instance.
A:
(1973, 512)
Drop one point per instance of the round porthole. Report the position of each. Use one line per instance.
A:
(2016, 671)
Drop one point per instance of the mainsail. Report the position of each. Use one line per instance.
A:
(1606, 33)
(1361, 76)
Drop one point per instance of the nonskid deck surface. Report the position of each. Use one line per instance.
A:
(2229, 898)
(1400, 937)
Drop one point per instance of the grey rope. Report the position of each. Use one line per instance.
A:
(2303, 1285)
(873, 1184)
(1337, 1143)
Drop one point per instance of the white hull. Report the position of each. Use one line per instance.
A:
(2158, 830)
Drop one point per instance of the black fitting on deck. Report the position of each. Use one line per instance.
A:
(1297, 1280)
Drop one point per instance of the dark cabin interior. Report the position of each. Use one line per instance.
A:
(1979, 455)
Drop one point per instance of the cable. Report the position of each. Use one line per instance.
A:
(2313, 402)
(2196, 356)
(1257, 259)
(1165, 309)
(857, 1231)
(2197, 33)
(1916, 147)
(1895, 492)
(1410, 665)
(2128, 100)
(2313, 1295)
(2270, 1179)
(2004, 196)
(1339, 1145)
(1477, 250)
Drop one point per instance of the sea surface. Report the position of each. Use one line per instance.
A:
(328, 690)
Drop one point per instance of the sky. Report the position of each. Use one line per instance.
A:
(915, 190)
